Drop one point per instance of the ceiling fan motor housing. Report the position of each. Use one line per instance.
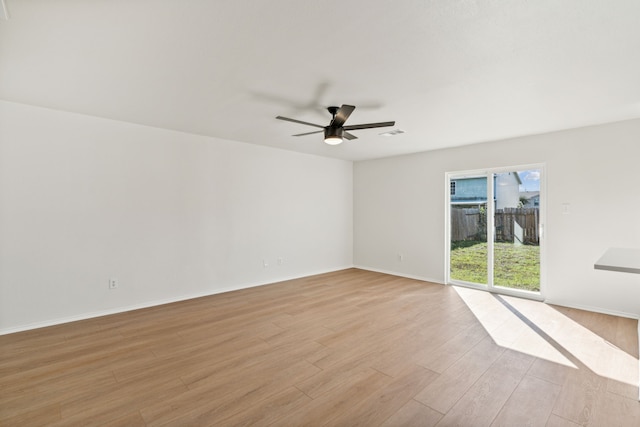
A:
(333, 132)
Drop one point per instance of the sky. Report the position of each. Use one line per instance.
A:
(530, 180)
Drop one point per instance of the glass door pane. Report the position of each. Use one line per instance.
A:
(516, 257)
(468, 225)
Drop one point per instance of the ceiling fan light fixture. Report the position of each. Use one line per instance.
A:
(333, 136)
(333, 140)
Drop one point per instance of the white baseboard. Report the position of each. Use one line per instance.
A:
(154, 303)
(593, 309)
(395, 273)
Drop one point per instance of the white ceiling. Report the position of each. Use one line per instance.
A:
(450, 72)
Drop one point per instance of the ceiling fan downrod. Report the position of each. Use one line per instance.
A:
(333, 111)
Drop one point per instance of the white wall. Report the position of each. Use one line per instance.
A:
(170, 215)
(399, 208)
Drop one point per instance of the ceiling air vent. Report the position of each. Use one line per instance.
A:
(392, 132)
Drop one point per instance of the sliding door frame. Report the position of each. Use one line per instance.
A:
(489, 174)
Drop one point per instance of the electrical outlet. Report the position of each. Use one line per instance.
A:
(400, 257)
(113, 283)
(280, 261)
(265, 264)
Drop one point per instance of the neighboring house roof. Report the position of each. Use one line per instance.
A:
(469, 202)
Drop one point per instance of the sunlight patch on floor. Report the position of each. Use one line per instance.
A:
(506, 329)
(537, 329)
(595, 352)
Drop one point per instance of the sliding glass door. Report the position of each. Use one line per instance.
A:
(494, 224)
(468, 225)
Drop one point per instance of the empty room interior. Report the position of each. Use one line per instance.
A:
(345, 213)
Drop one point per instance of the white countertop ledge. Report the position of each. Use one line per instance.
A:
(620, 259)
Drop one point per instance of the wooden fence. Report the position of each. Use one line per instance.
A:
(514, 225)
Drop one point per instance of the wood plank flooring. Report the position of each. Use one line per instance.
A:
(350, 348)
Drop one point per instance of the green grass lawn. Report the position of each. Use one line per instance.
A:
(515, 266)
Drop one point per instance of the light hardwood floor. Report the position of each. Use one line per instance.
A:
(350, 348)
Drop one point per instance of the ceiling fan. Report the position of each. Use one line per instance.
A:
(336, 130)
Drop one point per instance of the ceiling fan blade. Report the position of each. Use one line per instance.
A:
(308, 133)
(349, 136)
(369, 125)
(299, 121)
(342, 115)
